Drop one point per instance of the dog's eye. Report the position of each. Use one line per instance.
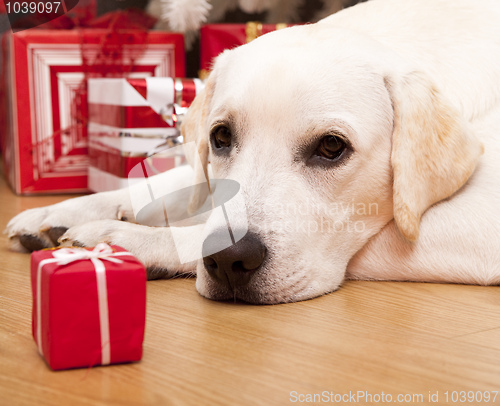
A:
(221, 137)
(331, 147)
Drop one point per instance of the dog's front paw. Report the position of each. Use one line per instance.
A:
(92, 233)
(134, 238)
(34, 229)
(151, 245)
(39, 228)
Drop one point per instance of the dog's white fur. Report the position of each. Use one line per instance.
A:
(415, 88)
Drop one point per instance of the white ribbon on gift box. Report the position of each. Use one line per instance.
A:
(65, 256)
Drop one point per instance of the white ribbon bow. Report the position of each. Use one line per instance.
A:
(65, 256)
(102, 250)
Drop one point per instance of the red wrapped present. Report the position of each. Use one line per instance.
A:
(89, 306)
(130, 120)
(215, 38)
(45, 147)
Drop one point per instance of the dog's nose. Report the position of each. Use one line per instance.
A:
(235, 265)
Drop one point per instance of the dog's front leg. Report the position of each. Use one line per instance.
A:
(165, 251)
(41, 227)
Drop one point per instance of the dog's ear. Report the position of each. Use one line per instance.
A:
(193, 129)
(433, 152)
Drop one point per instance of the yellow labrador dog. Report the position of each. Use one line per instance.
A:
(366, 146)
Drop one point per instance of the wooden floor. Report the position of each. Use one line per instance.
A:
(382, 339)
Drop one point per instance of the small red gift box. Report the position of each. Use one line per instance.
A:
(89, 306)
(45, 145)
(215, 38)
(132, 119)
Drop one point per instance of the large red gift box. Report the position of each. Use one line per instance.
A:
(89, 306)
(134, 122)
(215, 38)
(45, 148)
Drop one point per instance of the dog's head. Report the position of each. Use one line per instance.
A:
(328, 143)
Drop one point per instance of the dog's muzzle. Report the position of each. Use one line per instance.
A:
(235, 265)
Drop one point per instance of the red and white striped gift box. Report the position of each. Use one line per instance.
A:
(128, 120)
(43, 150)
